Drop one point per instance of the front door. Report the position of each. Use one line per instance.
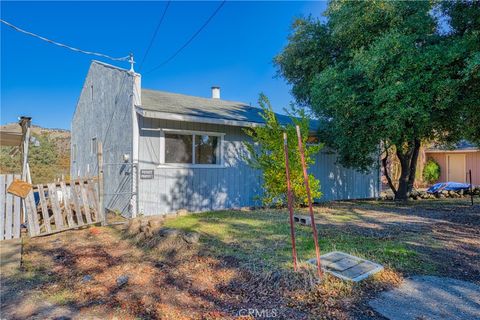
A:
(456, 167)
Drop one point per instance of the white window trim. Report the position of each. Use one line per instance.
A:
(190, 165)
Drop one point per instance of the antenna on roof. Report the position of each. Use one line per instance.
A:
(131, 62)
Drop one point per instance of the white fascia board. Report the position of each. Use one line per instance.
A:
(189, 118)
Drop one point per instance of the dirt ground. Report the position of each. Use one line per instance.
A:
(446, 234)
(103, 273)
(75, 275)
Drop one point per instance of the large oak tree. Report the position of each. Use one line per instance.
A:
(387, 75)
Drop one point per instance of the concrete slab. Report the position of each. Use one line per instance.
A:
(346, 266)
(10, 255)
(429, 297)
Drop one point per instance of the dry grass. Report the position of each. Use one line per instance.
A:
(242, 261)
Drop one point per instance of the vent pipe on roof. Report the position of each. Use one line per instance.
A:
(215, 92)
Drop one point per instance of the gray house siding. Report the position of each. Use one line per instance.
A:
(195, 189)
(104, 112)
(340, 183)
(236, 184)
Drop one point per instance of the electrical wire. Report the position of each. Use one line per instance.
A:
(154, 35)
(63, 45)
(190, 39)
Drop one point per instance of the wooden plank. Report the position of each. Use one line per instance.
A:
(57, 213)
(32, 216)
(67, 208)
(86, 206)
(9, 210)
(78, 212)
(44, 207)
(67, 183)
(17, 204)
(94, 199)
(2, 206)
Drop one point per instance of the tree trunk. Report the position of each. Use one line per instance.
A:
(387, 174)
(413, 165)
(408, 165)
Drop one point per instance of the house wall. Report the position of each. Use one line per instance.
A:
(472, 160)
(104, 111)
(236, 184)
(340, 183)
(195, 189)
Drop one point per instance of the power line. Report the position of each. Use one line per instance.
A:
(189, 40)
(63, 45)
(154, 35)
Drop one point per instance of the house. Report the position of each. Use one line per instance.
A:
(455, 163)
(165, 151)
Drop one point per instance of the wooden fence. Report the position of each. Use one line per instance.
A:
(61, 206)
(10, 209)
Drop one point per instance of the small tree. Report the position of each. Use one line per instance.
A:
(268, 155)
(431, 172)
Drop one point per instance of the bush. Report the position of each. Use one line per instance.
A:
(431, 172)
(268, 155)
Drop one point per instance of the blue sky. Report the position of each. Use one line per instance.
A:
(234, 51)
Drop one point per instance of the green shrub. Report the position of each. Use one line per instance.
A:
(431, 171)
(268, 155)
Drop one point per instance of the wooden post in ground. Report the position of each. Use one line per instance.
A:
(309, 197)
(101, 208)
(289, 201)
(471, 185)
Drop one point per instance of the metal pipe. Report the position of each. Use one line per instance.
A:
(310, 207)
(289, 201)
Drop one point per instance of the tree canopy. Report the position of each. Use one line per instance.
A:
(389, 74)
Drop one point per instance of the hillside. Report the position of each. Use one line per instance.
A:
(49, 161)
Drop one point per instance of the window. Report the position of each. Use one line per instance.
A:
(93, 147)
(178, 148)
(206, 149)
(190, 148)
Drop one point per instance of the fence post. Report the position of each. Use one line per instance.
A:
(471, 185)
(101, 208)
(309, 197)
(289, 201)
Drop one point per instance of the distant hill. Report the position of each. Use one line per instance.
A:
(50, 161)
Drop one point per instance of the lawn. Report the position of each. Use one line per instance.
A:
(243, 261)
(263, 237)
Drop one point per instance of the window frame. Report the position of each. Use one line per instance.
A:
(191, 133)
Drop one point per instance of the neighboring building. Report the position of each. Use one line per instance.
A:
(456, 162)
(164, 151)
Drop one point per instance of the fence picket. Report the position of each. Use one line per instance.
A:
(2, 206)
(8, 210)
(66, 204)
(57, 214)
(32, 216)
(86, 205)
(44, 208)
(78, 212)
(93, 200)
(16, 214)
